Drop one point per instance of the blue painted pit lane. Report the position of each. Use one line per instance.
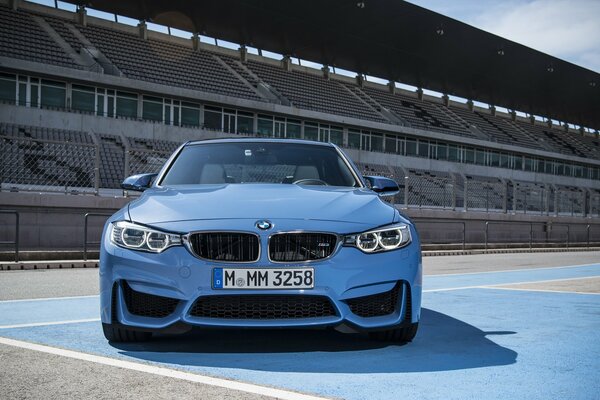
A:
(473, 343)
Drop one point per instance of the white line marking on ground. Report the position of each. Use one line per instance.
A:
(33, 324)
(453, 288)
(49, 298)
(495, 285)
(538, 290)
(515, 270)
(161, 371)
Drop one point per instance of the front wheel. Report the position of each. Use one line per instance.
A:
(400, 335)
(117, 334)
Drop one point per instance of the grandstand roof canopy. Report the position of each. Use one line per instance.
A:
(390, 39)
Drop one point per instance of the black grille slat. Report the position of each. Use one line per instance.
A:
(263, 307)
(225, 246)
(148, 305)
(376, 305)
(305, 246)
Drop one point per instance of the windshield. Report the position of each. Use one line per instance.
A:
(259, 162)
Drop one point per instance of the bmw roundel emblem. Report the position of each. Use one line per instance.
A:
(264, 225)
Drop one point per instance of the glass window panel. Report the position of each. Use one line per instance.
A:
(353, 139)
(53, 96)
(167, 118)
(83, 100)
(110, 106)
(336, 136)
(518, 162)
(265, 126)
(176, 116)
(423, 148)
(293, 130)
(311, 132)
(34, 97)
(127, 106)
(8, 90)
(213, 120)
(494, 159)
(377, 142)
(568, 170)
(453, 153)
(100, 105)
(411, 147)
(442, 151)
(479, 157)
(469, 155)
(22, 94)
(245, 123)
(365, 141)
(504, 160)
(190, 116)
(324, 134)
(390, 144)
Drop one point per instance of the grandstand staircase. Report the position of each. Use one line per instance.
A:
(66, 47)
(473, 129)
(250, 79)
(375, 106)
(90, 52)
(538, 140)
(246, 76)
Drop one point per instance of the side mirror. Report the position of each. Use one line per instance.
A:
(383, 186)
(139, 182)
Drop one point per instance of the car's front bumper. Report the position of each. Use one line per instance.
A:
(177, 274)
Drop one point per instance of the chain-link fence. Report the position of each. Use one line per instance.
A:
(429, 190)
(29, 164)
(42, 165)
(141, 161)
(485, 195)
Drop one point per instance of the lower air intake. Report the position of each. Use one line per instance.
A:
(263, 307)
(148, 305)
(376, 305)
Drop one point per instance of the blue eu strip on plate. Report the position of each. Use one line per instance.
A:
(218, 278)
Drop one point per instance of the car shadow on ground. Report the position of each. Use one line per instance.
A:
(442, 344)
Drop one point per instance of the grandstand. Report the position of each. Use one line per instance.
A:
(87, 101)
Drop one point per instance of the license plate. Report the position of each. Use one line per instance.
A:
(263, 278)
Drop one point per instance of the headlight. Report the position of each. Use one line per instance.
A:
(138, 237)
(383, 239)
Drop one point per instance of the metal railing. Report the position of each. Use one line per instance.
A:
(462, 223)
(16, 241)
(547, 229)
(85, 232)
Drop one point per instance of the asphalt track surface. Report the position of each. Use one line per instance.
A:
(494, 327)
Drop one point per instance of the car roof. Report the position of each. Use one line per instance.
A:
(259, 140)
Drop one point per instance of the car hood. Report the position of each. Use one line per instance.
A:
(169, 207)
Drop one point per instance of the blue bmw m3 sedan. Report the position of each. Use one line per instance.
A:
(259, 233)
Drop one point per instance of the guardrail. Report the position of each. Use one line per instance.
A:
(16, 241)
(548, 226)
(462, 223)
(85, 232)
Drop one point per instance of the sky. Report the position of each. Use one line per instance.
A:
(567, 29)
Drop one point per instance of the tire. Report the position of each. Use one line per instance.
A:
(400, 335)
(115, 334)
